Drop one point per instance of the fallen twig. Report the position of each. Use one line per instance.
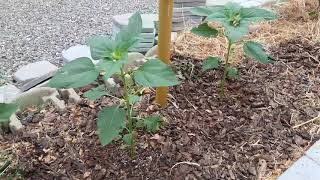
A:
(307, 122)
(185, 162)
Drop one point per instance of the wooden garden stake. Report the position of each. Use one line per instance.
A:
(165, 26)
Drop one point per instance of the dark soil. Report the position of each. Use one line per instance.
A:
(249, 134)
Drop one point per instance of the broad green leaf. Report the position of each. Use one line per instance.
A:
(206, 11)
(134, 99)
(218, 16)
(128, 139)
(110, 67)
(6, 110)
(205, 31)
(129, 35)
(155, 73)
(257, 14)
(75, 74)
(232, 7)
(232, 73)
(153, 124)
(101, 47)
(235, 33)
(256, 51)
(95, 93)
(211, 63)
(111, 122)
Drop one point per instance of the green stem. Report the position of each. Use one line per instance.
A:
(225, 72)
(129, 115)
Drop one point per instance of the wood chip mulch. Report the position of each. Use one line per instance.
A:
(253, 133)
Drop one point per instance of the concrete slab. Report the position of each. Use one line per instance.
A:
(75, 52)
(304, 169)
(32, 74)
(314, 152)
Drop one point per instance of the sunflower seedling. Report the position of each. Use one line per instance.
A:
(235, 20)
(111, 59)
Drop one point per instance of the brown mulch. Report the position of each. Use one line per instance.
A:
(249, 134)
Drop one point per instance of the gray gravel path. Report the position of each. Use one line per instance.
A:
(34, 30)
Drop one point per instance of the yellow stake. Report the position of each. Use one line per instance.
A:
(165, 26)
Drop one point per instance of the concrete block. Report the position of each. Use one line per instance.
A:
(135, 60)
(8, 93)
(188, 4)
(153, 52)
(174, 36)
(33, 97)
(110, 83)
(144, 35)
(141, 50)
(75, 52)
(53, 98)
(71, 95)
(147, 21)
(144, 45)
(188, 1)
(245, 3)
(15, 124)
(32, 74)
(186, 18)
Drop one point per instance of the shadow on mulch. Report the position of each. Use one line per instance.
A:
(250, 134)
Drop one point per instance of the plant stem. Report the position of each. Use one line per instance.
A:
(129, 115)
(225, 72)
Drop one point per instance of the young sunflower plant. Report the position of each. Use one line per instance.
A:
(111, 59)
(235, 20)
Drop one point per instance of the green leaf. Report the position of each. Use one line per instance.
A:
(75, 74)
(256, 51)
(235, 33)
(6, 110)
(211, 63)
(134, 99)
(206, 11)
(257, 14)
(218, 16)
(95, 93)
(101, 47)
(152, 124)
(129, 35)
(155, 73)
(205, 31)
(111, 122)
(110, 67)
(128, 139)
(232, 72)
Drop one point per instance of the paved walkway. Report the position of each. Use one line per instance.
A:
(307, 167)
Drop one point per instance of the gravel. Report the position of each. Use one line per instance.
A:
(36, 30)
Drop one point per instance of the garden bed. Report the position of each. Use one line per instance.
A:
(254, 132)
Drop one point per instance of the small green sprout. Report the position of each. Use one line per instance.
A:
(112, 57)
(235, 20)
